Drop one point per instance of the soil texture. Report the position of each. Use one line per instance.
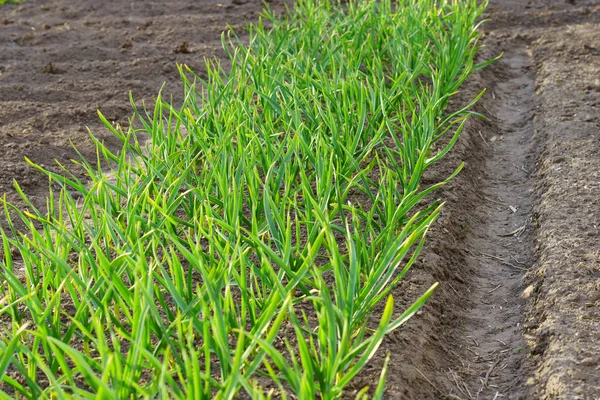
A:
(517, 252)
(468, 341)
(61, 61)
(563, 326)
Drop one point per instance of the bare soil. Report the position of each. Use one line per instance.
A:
(517, 248)
(563, 324)
(62, 61)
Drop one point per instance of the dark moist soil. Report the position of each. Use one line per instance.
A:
(516, 249)
(62, 60)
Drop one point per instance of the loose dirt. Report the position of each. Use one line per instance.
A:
(468, 342)
(516, 250)
(564, 308)
(547, 112)
(499, 243)
(62, 60)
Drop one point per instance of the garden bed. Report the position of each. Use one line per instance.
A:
(518, 233)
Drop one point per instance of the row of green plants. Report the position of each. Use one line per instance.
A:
(242, 243)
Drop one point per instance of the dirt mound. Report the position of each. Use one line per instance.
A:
(564, 290)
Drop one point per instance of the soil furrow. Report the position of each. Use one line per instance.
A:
(498, 245)
(524, 316)
(469, 341)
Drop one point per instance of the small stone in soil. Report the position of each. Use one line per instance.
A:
(182, 48)
(50, 68)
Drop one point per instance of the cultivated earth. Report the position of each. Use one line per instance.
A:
(517, 249)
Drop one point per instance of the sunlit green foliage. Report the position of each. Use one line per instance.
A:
(245, 246)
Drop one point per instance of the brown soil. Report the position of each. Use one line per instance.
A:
(517, 253)
(468, 341)
(564, 310)
(517, 249)
(61, 61)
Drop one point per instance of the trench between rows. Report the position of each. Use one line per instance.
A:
(485, 350)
